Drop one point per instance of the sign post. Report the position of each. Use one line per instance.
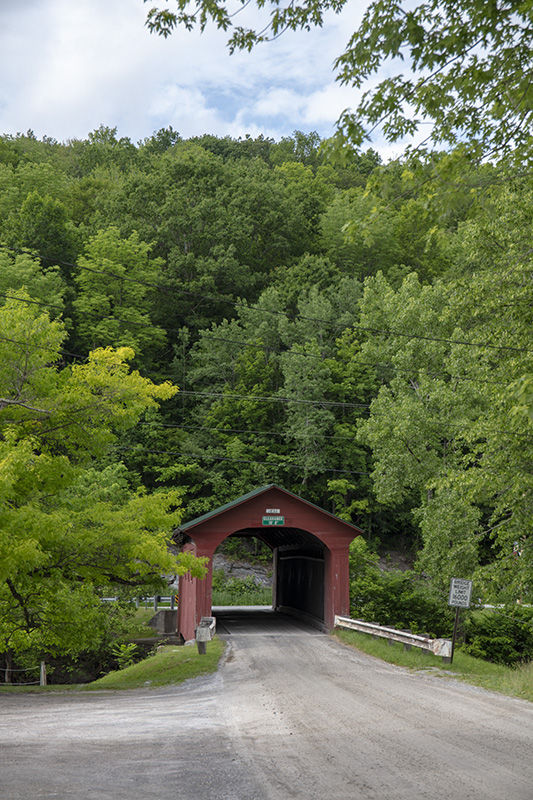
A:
(460, 596)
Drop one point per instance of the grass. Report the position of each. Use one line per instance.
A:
(169, 665)
(512, 681)
(138, 627)
(260, 597)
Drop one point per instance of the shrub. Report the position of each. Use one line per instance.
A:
(219, 580)
(126, 654)
(402, 600)
(238, 586)
(503, 637)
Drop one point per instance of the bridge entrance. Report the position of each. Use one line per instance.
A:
(310, 550)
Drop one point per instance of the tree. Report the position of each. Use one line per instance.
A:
(468, 65)
(71, 530)
(42, 225)
(18, 271)
(444, 428)
(115, 279)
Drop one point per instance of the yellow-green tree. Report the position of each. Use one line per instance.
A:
(72, 526)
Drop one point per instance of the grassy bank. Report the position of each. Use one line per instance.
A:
(169, 665)
(512, 681)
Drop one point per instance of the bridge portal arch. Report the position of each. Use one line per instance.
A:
(310, 554)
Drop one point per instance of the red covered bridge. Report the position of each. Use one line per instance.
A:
(310, 550)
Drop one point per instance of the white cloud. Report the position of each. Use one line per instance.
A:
(70, 66)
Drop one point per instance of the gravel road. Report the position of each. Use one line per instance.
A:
(290, 714)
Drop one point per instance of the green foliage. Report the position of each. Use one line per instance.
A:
(42, 225)
(114, 283)
(237, 586)
(444, 424)
(24, 272)
(125, 654)
(469, 64)
(69, 530)
(168, 666)
(379, 370)
(219, 580)
(503, 636)
(401, 600)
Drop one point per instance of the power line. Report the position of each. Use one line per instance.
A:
(247, 432)
(275, 399)
(55, 350)
(451, 426)
(206, 457)
(213, 298)
(265, 348)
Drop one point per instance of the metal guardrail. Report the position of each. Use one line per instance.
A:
(439, 647)
(155, 601)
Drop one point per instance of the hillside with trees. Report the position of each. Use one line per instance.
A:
(183, 321)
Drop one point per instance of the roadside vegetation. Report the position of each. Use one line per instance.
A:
(515, 681)
(167, 665)
(239, 591)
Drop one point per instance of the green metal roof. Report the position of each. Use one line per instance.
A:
(220, 510)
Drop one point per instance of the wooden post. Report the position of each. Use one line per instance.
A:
(43, 674)
(9, 665)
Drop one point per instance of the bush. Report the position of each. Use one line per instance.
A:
(239, 586)
(402, 600)
(110, 652)
(219, 580)
(239, 591)
(503, 637)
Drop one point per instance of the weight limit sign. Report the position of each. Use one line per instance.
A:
(460, 593)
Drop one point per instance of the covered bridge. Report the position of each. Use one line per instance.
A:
(310, 551)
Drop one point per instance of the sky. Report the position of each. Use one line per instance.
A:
(69, 66)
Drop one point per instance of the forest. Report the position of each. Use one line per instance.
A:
(183, 321)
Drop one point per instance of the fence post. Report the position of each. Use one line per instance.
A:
(42, 681)
(9, 665)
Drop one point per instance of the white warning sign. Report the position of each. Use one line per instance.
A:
(460, 593)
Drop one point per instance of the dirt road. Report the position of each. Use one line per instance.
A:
(290, 714)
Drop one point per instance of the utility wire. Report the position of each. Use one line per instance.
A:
(275, 399)
(265, 348)
(206, 457)
(247, 432)
(238, 304)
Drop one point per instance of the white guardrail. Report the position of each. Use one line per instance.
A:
(439, 647)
